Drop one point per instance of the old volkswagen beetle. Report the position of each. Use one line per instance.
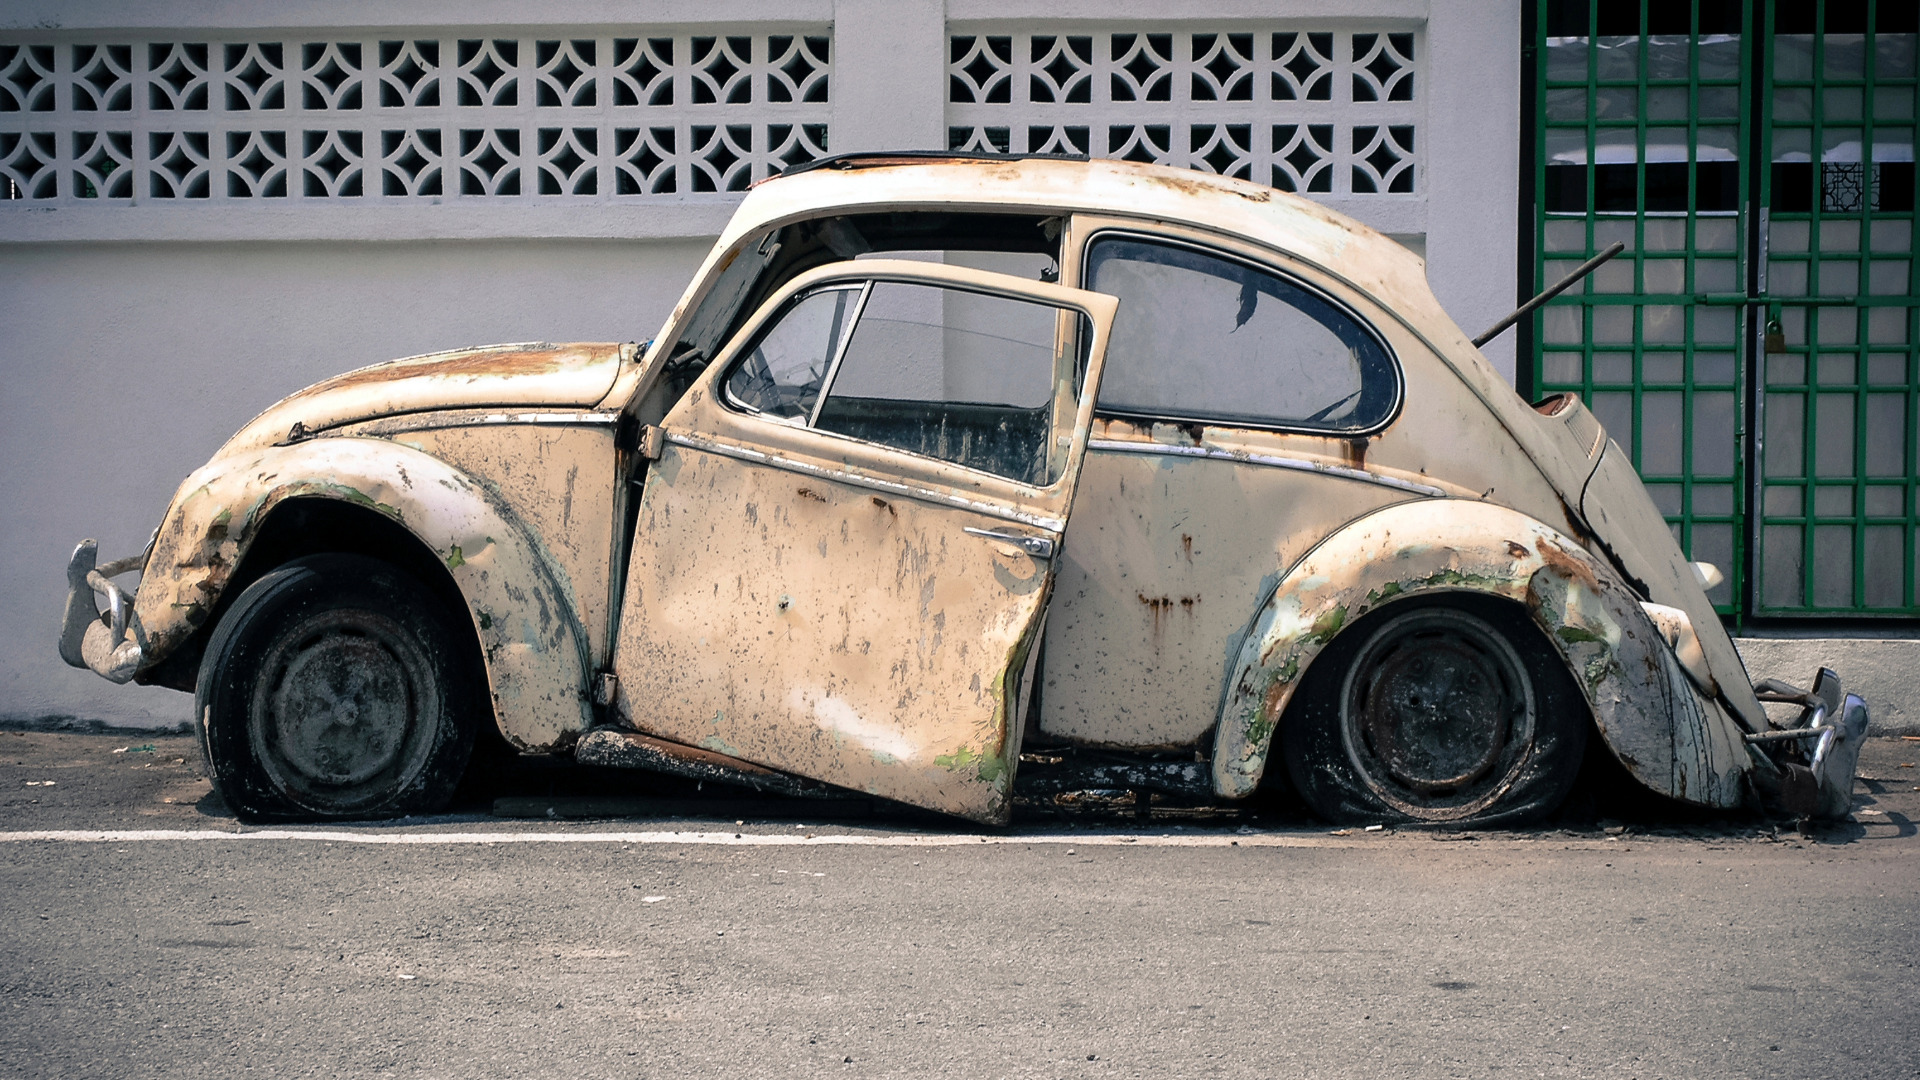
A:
(1188, 480)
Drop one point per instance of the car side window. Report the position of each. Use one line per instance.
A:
(1200, 336)
(964, 377)
(783, 372)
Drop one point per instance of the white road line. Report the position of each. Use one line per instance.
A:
(723, 839)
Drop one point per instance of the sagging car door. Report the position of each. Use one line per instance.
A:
(845, 547)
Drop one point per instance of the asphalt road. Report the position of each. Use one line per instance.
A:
(148, 937)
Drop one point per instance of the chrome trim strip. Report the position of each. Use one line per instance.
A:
(550, 418)
(761, 457)
(1127, 446)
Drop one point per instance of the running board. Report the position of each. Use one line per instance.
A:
(619, 749)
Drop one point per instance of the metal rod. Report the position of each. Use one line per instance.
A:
(1563, 285)
(1787, 736)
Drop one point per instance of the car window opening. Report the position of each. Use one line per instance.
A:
(1203, 337)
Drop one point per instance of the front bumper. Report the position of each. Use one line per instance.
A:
(1810, 764)
(111, 644)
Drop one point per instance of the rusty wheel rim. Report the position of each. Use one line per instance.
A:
(1437, 713)
(344, 714)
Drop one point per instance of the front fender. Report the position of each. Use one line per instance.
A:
(1664, 731)
(520, 601)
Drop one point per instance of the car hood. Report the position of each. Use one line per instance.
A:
(537, 374)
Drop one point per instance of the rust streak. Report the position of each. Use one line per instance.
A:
(1568, 566)
(480, 363)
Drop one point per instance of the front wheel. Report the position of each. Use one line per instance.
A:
(1450, 710)
(336, 687)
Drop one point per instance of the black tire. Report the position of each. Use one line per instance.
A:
(1446, 710)
(337, 687)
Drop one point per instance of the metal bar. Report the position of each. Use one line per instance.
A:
(1786, 736)
(1742, 299)
(1128, 446)
(1563, 285)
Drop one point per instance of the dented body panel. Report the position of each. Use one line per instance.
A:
(556, 471)
(1166, 554)
(1668, 735)
(840, 610)
(575, 376)
(519, 598)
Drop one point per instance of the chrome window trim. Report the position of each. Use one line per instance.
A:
(1345, 472)
(861, 479)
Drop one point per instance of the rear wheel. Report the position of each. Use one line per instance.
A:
(336, 687)
(1449, 710)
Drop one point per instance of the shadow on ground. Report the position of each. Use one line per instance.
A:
(100, 777)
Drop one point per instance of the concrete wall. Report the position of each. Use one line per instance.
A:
(126, 366)
(137, 335)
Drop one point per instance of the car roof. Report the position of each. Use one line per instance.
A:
(901, 181)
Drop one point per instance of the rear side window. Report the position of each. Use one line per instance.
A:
(1203, 337)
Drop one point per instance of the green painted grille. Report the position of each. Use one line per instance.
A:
(1836, 483)
(1645, 133)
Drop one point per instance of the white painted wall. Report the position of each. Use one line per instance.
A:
(124, 366)
(135, 338)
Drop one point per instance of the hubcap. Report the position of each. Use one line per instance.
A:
(1437, 713)
(342, 717)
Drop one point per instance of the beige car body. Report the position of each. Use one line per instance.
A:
(1201, 568)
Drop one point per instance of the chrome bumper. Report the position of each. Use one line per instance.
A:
(1818, 754)
(111, 644)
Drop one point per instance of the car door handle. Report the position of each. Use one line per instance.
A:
(1040, 547)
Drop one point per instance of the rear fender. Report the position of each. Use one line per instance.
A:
(1664, 731)
(519, 600)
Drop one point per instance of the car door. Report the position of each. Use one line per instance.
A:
(846, 544)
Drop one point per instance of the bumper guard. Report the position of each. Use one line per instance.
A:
(1819, 752)
(111, 644)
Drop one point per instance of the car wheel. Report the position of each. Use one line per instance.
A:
(1436, 711)
(336, 686)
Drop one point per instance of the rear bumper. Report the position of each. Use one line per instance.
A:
(111, 644)
(1808, 766)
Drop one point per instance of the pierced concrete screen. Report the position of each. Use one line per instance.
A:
(1309, 110)
(457, 115)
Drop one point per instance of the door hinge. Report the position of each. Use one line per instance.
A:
(653, 439)
(604, 686)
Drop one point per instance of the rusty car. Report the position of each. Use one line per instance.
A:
(952, 477)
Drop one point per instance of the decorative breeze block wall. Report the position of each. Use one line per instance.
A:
(1312, 110)
(431, 116)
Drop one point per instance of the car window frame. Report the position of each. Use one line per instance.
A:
(1083, 336)
(864, 289)
(1394, 366)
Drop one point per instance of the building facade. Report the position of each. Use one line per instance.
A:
(207, 207)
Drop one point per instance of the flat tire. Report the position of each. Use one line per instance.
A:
(337, 687)
(1446, 710)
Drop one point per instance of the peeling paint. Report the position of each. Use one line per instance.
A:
(536, 663)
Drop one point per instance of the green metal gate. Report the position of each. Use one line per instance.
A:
(1755, 349)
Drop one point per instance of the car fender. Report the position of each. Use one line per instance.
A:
(1667, 734)
(518, 598)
